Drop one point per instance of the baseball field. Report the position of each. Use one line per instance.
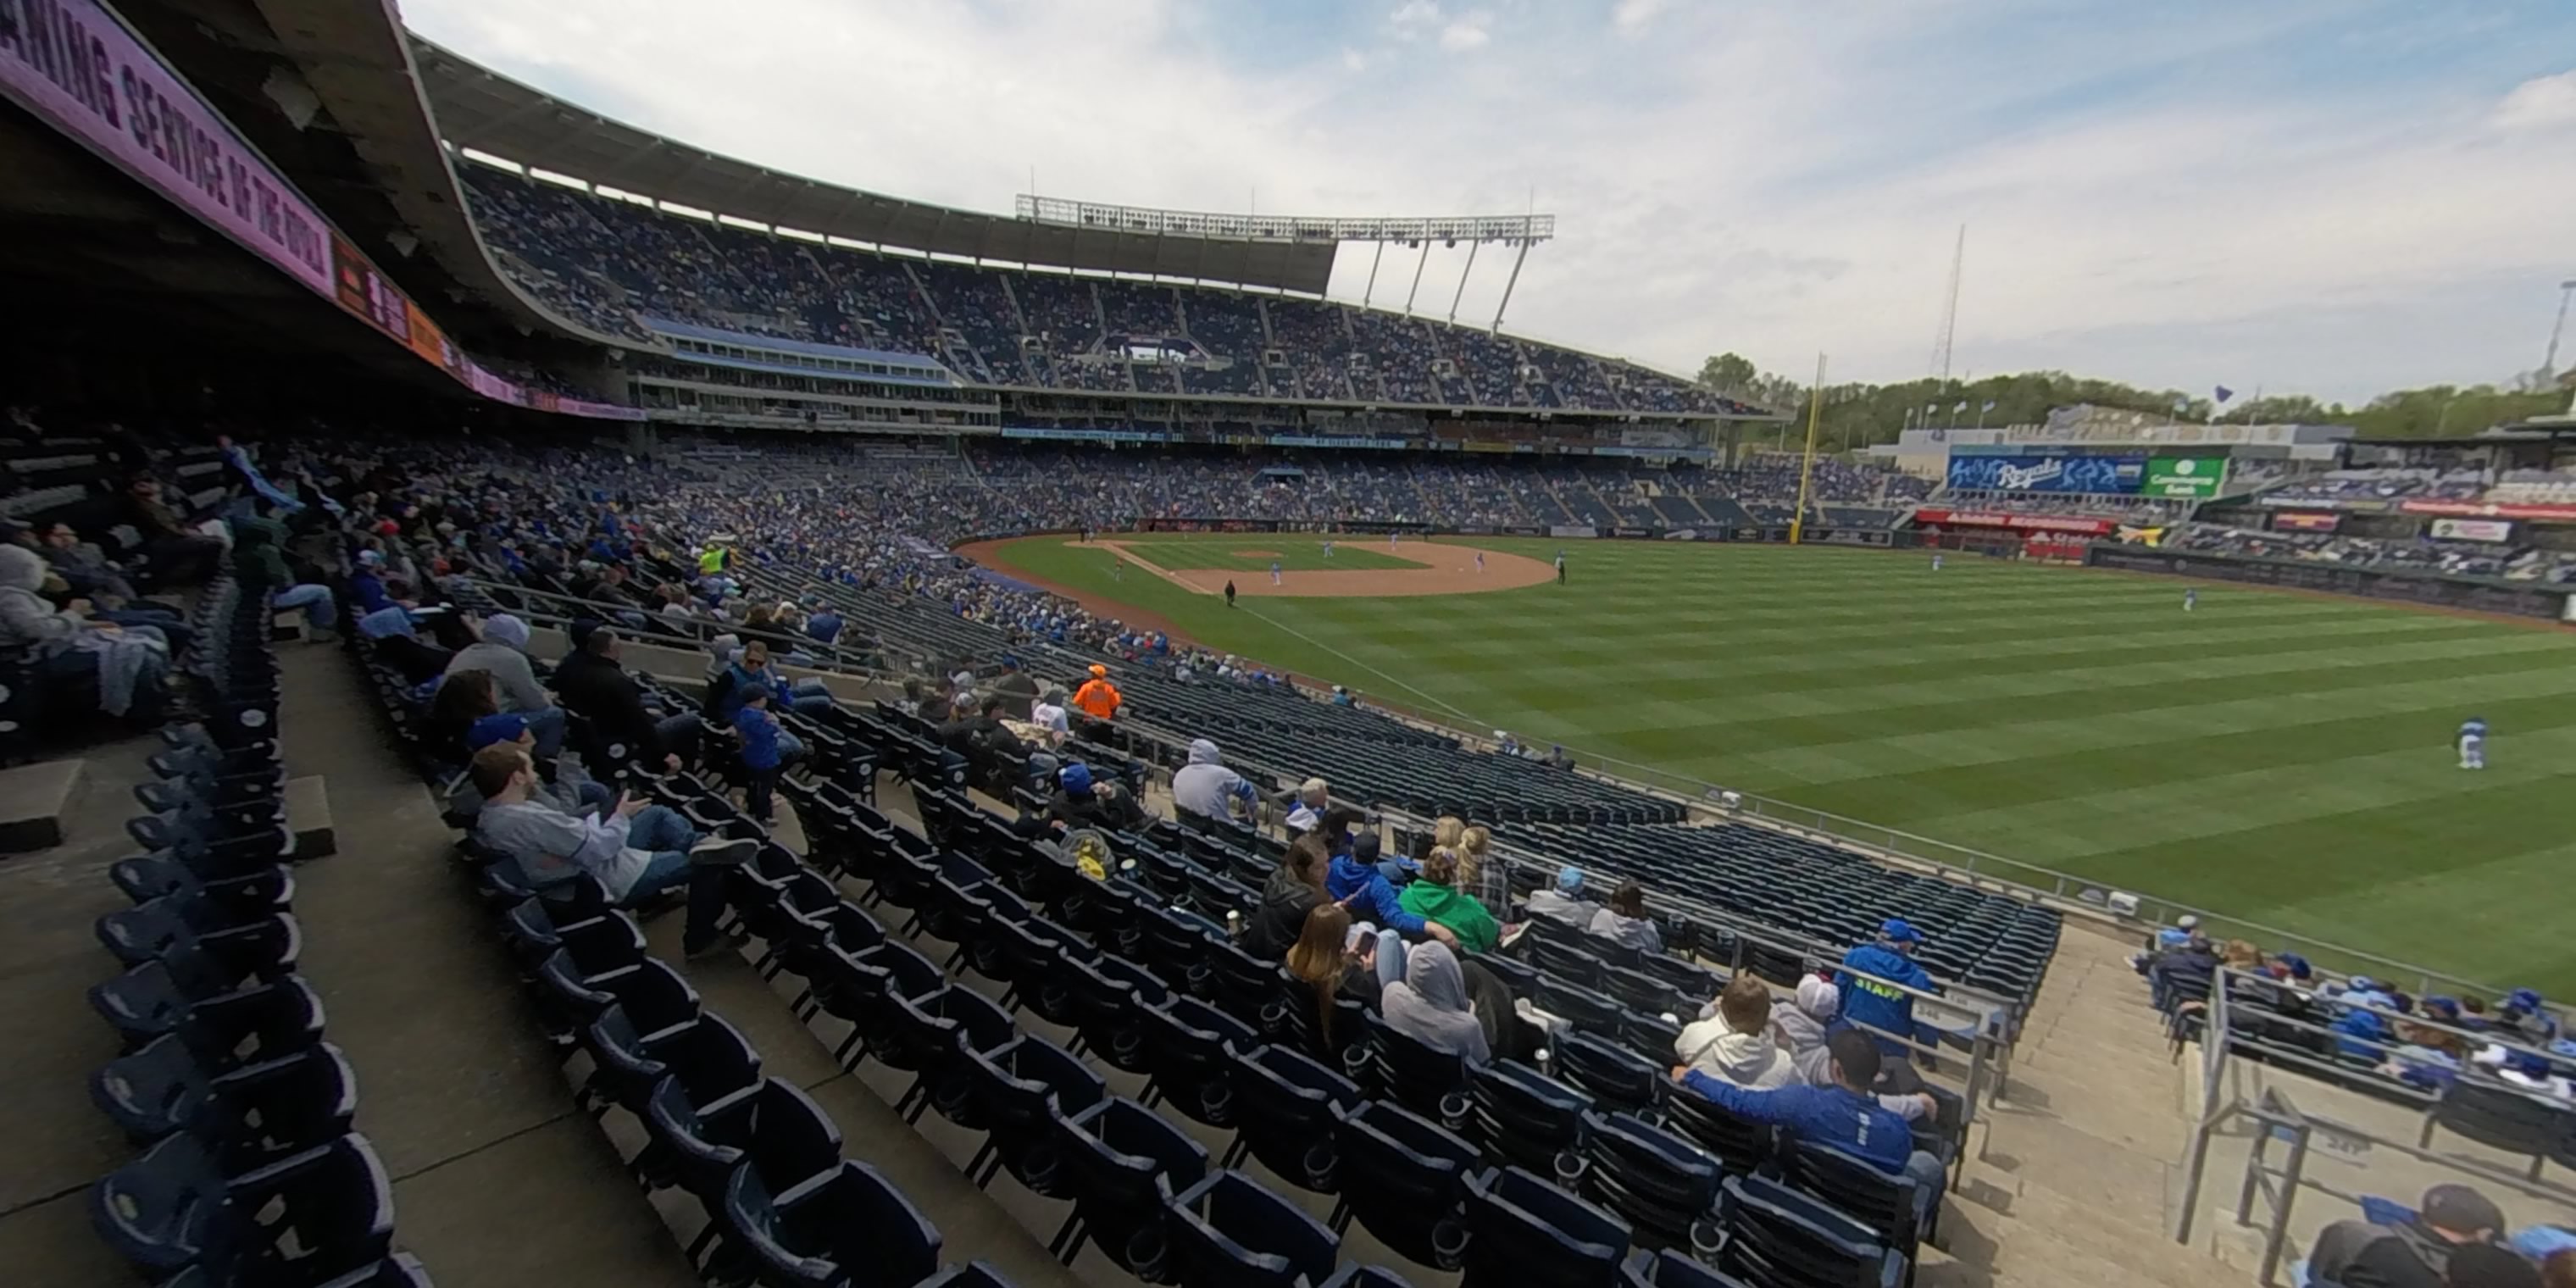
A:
(2277, 757)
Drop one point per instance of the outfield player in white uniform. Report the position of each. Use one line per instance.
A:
(1328, 550)
(1936, 563)
(2190, 598)
(1274, 572)
(2473, 743)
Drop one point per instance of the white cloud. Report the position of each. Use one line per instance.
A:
(1632, 17)
(2224, 225)
(2539, 103)
(1470, 30)
(1413, 17)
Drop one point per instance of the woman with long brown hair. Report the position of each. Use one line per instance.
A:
(1334, 956)
(1287, 897)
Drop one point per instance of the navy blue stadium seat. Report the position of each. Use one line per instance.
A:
(1124, 1163)
(1404, 1179)
(1523, 1230)
(1229, 1232)
(847, 1227)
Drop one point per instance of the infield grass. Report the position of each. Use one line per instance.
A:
(2276, 757)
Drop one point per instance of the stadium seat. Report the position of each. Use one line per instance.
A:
(1122, 1162)
(1775, 1235)
(1229, 1232)
(1187, 1046)
(173, 1207)
(1021, 1090)
(848, 1226)
(1523, 1230)
(1404, 1180)
(1528, 1120)
(774, 1129)
(1662, 1185)
(1285, 1108)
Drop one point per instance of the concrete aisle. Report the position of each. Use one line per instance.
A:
(498, 1181)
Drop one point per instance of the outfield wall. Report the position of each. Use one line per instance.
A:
(2547, 603)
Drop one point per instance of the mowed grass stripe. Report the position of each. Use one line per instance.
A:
(2281, 757)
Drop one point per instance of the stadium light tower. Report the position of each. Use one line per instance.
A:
(1519, 231)
(2549, 363)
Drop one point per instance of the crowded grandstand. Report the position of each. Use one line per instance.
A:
(552, 649)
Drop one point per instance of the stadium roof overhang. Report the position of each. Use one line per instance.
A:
(476, 107)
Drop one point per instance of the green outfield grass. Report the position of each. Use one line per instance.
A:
(2277, 757)
(1293, 553)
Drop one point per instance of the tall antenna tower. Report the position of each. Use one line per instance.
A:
(1950, 311)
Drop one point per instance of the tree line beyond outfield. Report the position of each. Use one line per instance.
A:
(1857, 415)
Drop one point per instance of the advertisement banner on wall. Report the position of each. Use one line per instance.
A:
(2306, 521)
(2473, 529)
(2492, 510)
(76, 65)
(1936, 517)
(1576, 531)
(2186, 477)
(2098, 475)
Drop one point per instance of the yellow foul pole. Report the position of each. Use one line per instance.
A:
(1807, 463)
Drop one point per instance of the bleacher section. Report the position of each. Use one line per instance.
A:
(610, 263)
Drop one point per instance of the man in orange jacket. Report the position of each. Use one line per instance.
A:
(1098, 699)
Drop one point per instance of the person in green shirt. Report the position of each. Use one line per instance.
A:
(1435, 897)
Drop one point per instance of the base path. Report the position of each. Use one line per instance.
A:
(1445, 570)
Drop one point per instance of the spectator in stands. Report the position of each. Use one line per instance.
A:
(596, 687)
(1736, 1045)
(2184, 971)
(1564, 900)
(1207, 788)
(500, 650)
(1336, 957)
(1369, 895)
(1430, 1005)
(174, 553)
(1049, 715)
(749, 669)
(572, 791)
(2558, 1269)
(1307, 805)
(127, 668)
(462, 697)
(2177, 934)
(84, 567)
(823, 625)
(1871, 1002)
(1625, 922)
(259, 559)
(2487, 1265)
(2357, 1254)
(764, 750)
(986, 743)
(1845, 1115)
(1018, 692)
(2527, 1018)
(1813, 1016)
(1292, 891)
(636, 850)
(1082, 801)
(1479, 873)
(1435, 897)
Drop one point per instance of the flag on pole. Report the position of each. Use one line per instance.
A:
(1931, 407)
(2224, 393)
(1963, 406)
(2181, 405)
(1990, 405)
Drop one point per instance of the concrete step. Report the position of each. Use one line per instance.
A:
(308, 817)
(34, 800)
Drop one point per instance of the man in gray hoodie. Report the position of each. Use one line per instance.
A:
(1206, 787)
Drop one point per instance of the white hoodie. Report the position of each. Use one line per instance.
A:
(1749, 1060)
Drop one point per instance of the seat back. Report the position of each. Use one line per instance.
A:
(1775, 1235)
(1416, 1076)
(1123, 1162)
(1404, 1178)
(1671, 1268)
(1285, 1106)
(1611, 1073)
(1662, 1184)
(1527, 1231)
(1229, 1232)
(1739, 1143)
(1525, 1118)
(1880, 1200)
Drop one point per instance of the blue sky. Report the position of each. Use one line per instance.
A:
(2324, 196)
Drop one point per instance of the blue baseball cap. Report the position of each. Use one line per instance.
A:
(2295, 964)
(1900, 930)
(490, 730)
(1075, 778)
(2523, 999)
(1569, 878)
